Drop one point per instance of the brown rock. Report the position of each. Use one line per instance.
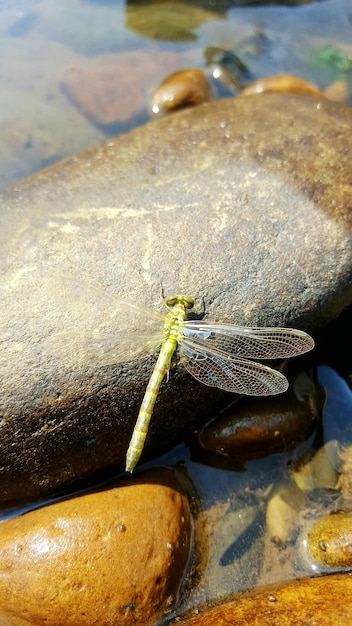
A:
(181, 89)
(337, 91)
(114, 88)
(253, 217)
(112, 557)
(252, 428)
(325, 601)
(281, 84)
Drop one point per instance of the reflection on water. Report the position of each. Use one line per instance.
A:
(76, 72)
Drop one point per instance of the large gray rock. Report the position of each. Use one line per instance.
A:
(243, 202)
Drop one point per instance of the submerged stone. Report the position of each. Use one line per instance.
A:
(330, 539)
(321, 600)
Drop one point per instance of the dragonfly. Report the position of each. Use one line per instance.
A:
(217, 355)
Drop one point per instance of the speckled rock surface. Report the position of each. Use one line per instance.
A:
(330, 539)
(324, 601)
(244, 202)
(111, 557)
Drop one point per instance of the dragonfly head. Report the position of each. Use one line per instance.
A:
(185, 301)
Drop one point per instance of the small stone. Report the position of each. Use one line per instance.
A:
(330, 539)
(282, 512)
(171, 21)
(281, 84)
(319, 472)
(181, 89)
(116, 556)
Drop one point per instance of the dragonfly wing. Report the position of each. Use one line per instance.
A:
(90, 298)
(216, 369)
(100, 328)
(89, 348)
(250, 343)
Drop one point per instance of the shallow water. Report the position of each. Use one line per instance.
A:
(43, 42)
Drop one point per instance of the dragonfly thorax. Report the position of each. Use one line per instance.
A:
(173, 326)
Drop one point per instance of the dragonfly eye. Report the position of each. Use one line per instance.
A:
(170, 301)
(186, 301)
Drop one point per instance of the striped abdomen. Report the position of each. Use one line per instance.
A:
(141, 428)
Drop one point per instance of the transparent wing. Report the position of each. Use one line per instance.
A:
(250, 343)
(84, 348)
(100, 328)
(217, 369)
(89, 301)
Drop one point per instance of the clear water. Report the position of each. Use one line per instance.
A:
(43, 41)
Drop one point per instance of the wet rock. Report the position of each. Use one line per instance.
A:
(116, 556)
(330, 539)
(319, 471)
(282, 513)
(253, 428)
(254, 218)
(227, 68)
(298, 602)
(181, 89)
(114, 88)
(338, 91)
(281, 84)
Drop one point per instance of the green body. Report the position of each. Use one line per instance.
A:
(173, 332)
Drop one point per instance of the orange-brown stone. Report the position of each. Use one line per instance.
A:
(330, 539)
(112, 557)
(307, 602)
(179, 90)
(281, 84)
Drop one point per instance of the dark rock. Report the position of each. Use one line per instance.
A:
(254, 428)
(244, 202)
